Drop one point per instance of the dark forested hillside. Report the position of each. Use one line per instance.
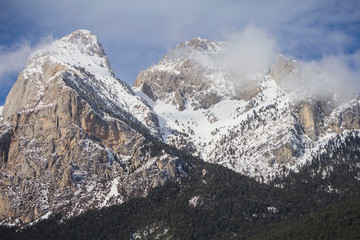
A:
(338, 221)
(212, 202)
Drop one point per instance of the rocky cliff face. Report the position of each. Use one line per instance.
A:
(74, 137)
(256, 125)
(185, 76)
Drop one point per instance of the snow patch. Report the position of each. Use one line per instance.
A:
(194, 201)
(272, 209)
(10, 222)
(113, 193)
(43, 217)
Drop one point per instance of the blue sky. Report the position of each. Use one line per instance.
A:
(137, 33)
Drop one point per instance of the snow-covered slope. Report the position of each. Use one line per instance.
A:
(254, 125)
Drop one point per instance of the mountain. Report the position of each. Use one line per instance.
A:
(257, 124)
(74, 137)
(195, 150)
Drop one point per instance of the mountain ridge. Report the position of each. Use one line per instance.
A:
(256, 125)
(73, 137)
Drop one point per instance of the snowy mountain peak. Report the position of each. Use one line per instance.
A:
(86, 41)
(78, 61)
(189, 75)
(195, 48)
(84, 35)
(203, 44)
(283, 67)
(253, 124)
(79, 49)
(87, 44)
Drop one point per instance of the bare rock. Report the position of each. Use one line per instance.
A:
(178, 76)
(310, 118)
(282, 68)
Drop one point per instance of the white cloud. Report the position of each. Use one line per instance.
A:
(249, 52)
(332, 75)
(14, 60)
(344, 74)
(252, 51)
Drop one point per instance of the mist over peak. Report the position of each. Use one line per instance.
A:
(332, 76)
(251, 53)
(248, 52)
(246, 56)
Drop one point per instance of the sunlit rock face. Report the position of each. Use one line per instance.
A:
(184, 74)
(73, 137)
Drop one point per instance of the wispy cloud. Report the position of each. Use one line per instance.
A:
(343, 75)
(13, 60)
(248, 52)
(252, 51)
(333, 75)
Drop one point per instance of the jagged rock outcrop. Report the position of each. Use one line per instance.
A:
(74, 137)
(283, 68)
(5, 133)
(310, 118)
(182, 75)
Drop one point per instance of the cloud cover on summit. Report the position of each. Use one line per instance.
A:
(136, 34)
